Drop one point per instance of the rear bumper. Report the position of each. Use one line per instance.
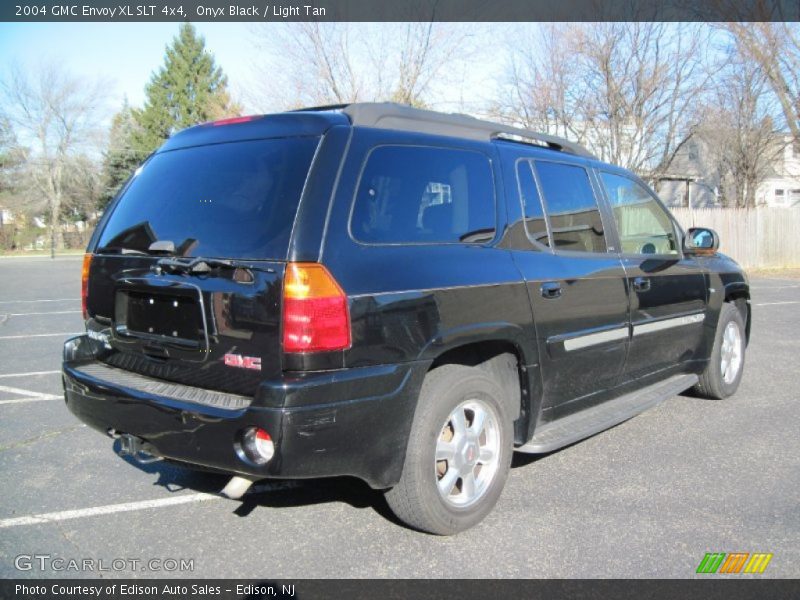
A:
(346, 422)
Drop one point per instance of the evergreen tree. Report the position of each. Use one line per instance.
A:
(121, 157)
(189, 89)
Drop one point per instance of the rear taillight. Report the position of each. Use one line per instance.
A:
(87, 263)
(315, 316)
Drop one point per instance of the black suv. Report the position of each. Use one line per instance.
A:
(394, 294)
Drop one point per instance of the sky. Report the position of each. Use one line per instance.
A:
(125, 54)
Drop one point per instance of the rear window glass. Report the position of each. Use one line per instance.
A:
(575, 221)
(232, 200)
(412, 194)
(534, 215)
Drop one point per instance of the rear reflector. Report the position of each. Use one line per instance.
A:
(87, 263)
(315, 314)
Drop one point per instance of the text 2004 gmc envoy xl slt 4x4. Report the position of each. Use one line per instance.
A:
(393, 294)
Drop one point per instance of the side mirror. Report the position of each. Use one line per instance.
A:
(699, 240)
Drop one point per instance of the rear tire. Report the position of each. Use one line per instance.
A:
(459, 452)
(724, 370)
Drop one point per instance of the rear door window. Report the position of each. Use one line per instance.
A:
(535, 224)
(575, 221)
(231, 200)
(415, 194)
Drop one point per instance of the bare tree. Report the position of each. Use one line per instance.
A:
(322, 58)
(540, 91)
(622, 89)
(82, 190)
(738, 130)
(12, 159)
(775, 48)
(56, 116)
(427, 50)
(312, 63)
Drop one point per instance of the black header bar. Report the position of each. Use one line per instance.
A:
(148, 11)
(710, 588)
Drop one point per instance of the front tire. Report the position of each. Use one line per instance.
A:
(724, 370)
(459, 452)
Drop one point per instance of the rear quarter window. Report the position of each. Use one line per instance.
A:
(415, 194)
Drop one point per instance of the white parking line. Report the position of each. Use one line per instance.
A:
(55, 312)
(33, 335)
(27, 395)
(29, 301)
(21, 392)
(28, 374)
(776, 303)
(107, 510)
(23, 400)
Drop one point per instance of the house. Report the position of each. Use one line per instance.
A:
(781, 187)
(6, 216)
(692, 177)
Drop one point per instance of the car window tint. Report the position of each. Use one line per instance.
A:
(412, 194)
(575, 221)
(231, 200)
(644, 226)
(535, 224)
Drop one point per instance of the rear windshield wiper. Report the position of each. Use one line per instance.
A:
(200, 265)
(194, 265)
(120, 250)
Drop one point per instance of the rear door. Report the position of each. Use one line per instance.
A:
(575, 280)
(187, 272)
(668, 293)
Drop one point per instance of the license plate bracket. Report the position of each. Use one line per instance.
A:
(162, 321)
(168, 316)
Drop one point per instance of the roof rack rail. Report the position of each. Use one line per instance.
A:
(389, 115)
(321, 108)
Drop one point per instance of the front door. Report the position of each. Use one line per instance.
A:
(667, 290)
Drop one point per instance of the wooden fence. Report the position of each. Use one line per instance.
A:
(755, 238)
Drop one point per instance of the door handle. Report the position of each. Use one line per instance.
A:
(641, 284)
(550, 289)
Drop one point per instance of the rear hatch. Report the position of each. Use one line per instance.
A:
(186, 277)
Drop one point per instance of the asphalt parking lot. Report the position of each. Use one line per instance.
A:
(645, 499)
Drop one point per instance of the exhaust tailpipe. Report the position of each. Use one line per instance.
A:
(236, 487)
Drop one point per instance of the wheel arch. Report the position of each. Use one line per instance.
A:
(505, 359)
(738, 294)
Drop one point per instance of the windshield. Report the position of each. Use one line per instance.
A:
(232, 200)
